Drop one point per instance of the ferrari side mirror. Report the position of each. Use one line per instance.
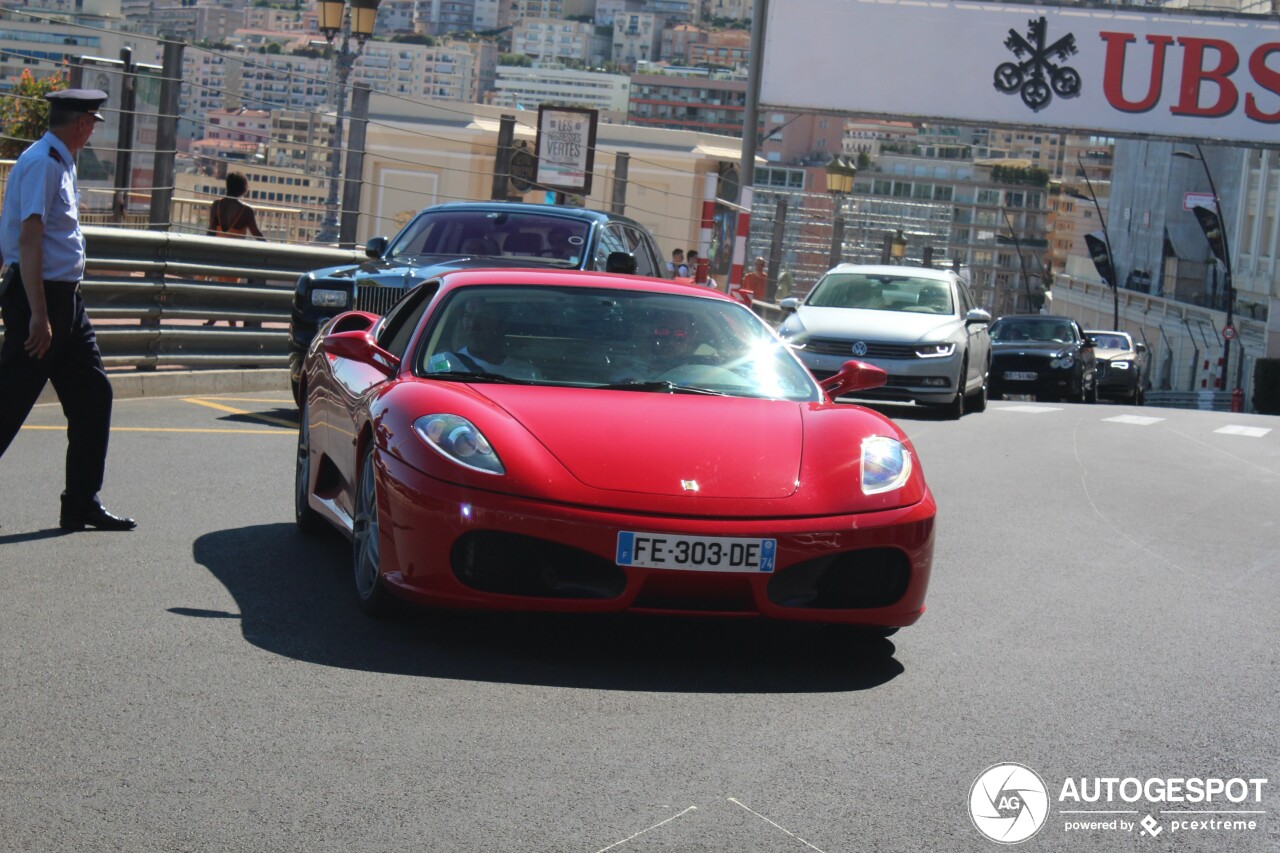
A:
(853, 376)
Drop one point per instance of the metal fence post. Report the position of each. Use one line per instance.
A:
(502, 160)
(353, 174)
(775, 249)
(621, 162)
(166, 137)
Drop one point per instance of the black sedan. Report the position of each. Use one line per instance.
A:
(462, 235)
(1043, 355)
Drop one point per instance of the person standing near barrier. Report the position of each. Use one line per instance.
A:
(48, 336)
(231, 217)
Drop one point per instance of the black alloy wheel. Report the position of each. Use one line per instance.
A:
(366, 547)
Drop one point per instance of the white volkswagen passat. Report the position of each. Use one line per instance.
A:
(919, 324)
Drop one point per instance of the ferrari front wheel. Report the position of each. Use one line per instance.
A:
(371, 591)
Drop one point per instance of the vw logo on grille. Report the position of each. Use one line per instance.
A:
(860, 348)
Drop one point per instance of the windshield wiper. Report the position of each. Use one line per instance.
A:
(661, 385)
(473, 376)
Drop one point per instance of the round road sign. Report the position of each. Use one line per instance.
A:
(1229, 333)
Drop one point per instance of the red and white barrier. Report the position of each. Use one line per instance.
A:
(740, 247)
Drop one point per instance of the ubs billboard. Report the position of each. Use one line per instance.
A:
(1117, 70)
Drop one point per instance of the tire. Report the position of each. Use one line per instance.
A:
(954, 410)
(1139, 396)
(308, 520)
(977, 402)
(371, 590)
(1091, 395)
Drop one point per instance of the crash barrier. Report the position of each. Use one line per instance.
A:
(146, 292)
(149, 292)
(1217, 401)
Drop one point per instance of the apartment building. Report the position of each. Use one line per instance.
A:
(676, 41)
(727, 48)
(555, 39)
(688, 100)
(736, 10)
(518, 87)
(636, 38)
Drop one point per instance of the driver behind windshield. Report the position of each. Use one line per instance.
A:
(483, 337)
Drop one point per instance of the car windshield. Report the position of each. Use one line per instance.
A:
(1047, 331)
(621, 340)
(882, 292)
(1111, 340)
(527, 236)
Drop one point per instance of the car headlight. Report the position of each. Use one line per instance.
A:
(1062, 361)
(936, 350)
(457, 439)
(1121, 365)
(325, 298)
(886, 465)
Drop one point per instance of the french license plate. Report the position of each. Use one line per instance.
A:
(696, 553)
(1019, 376)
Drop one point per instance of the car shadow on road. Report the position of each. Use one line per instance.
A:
(296, 599)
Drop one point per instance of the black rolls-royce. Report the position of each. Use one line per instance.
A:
(468, 234)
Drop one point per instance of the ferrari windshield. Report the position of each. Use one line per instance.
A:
(530, 237)
(620, 340)
(882, 292)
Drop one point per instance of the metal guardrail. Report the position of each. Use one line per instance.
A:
(168, 282)
(1216, 401)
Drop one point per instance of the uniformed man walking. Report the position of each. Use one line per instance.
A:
(48, 337)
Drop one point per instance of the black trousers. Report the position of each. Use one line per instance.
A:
(74, 366)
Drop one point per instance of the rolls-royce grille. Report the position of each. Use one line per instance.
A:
(828, 346)
(375, 299)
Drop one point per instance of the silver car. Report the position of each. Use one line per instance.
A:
(920, 325)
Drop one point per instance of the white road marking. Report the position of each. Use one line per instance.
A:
(771, 823)
(643, 831)
(1030, 410)
(1136, 420)
(1251, 432)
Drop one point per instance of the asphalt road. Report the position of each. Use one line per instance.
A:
(1104, 604)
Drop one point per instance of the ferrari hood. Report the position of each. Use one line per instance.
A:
(864, 324)
(677, 444)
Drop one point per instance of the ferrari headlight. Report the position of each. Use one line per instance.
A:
(458, 440)
(936, 350)
(1062, 361)
(325, 298)
(886, 465)
(1121, 365)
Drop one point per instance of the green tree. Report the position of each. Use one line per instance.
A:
(24, 113)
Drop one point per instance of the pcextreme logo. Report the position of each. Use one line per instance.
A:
(1009, 803)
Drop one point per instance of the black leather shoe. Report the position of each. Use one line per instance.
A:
(95, 516)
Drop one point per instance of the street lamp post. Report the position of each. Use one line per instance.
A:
(1215, 231)
(1100, 254)
(840, 175)
(898, 248)
(350, 18)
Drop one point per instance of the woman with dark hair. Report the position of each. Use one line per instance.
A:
(231, 217)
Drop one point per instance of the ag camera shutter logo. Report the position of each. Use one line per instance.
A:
(1008, 803)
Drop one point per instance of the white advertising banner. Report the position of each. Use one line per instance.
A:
(1118, 71)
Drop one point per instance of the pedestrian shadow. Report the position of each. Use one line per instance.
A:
(296, 599)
